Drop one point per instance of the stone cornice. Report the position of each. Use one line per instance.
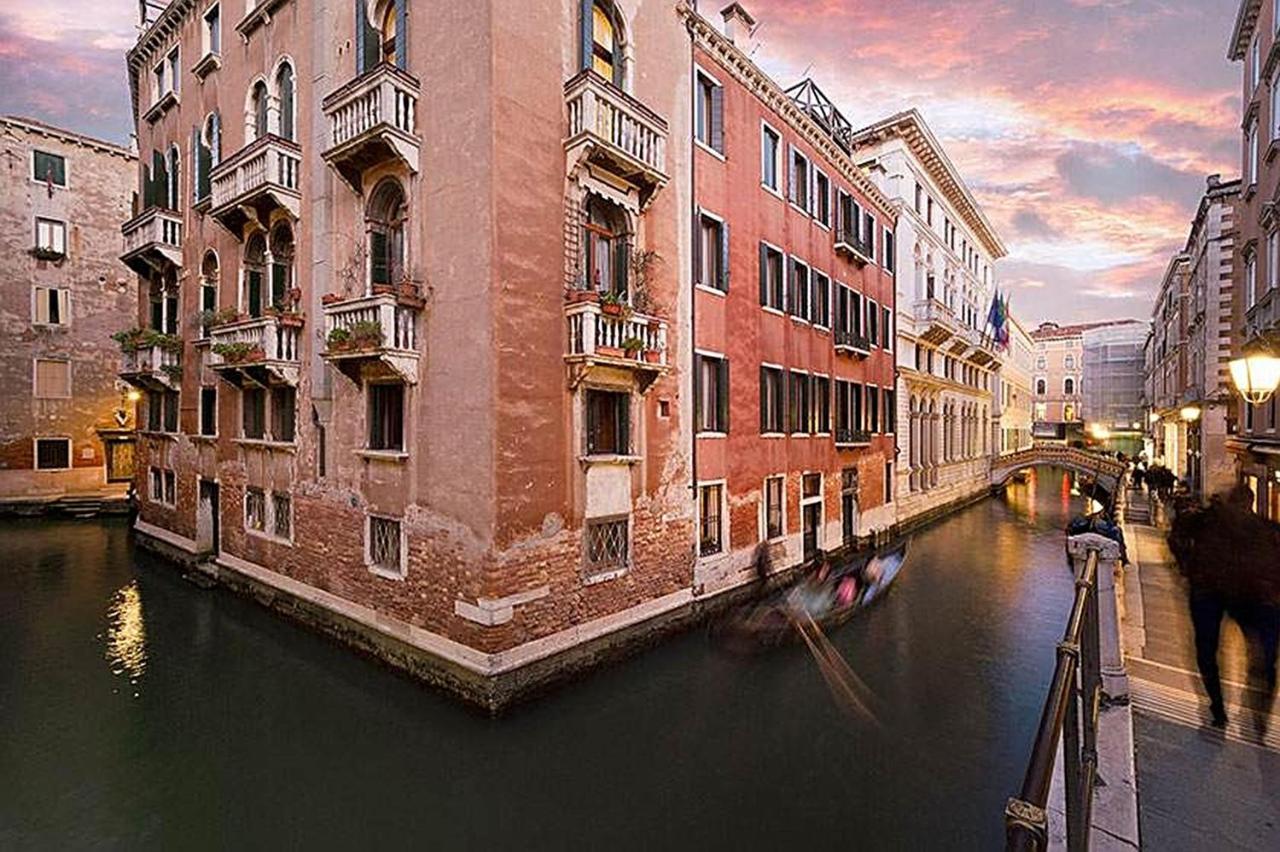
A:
(739, 66)
(68, 136)
(910, 127)
(1242, 32)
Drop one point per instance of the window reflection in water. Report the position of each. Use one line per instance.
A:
(126, 634)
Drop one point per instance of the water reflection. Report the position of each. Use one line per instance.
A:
(127, 634)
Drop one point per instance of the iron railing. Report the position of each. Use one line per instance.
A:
(1070, 713)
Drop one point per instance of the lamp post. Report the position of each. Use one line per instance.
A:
(1190, 415)
(1256, 375)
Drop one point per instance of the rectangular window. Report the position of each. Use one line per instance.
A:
(281, 514)
(713, 253)
(155, 485)
(212, 30)
(886, 328)
(155, 411)
(386, 416)
(799, 291)
(51, 236)
(175, 72)
(919, 199)
(52, 306)
(770, 148)
(608, 423)
(53, 453)
(253, 411)
(169, 402)
(873, 409)
(711, 379)
(820, 301)
(383, 551)
(890, 258)
(255, 509)
(869, 235)
(49, 168)
(821, 392)
(209, 411)
(772, 278)
(772, 401)
(709, 113)
(798, 409)
(284, 403)
(710, 534)
(608, 547)
(873, 322)
(798, 190)
(773, 491)
(886, 411)
(170, 479)
(821, 198)
(52, 378)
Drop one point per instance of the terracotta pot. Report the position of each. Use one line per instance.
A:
(609, 351)
(330, 298)
(290, 320)
(613, 309)
(575, 297)
(652, 356)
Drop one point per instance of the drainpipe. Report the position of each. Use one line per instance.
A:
(693, 324)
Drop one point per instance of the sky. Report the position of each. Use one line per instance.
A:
(1085, 128)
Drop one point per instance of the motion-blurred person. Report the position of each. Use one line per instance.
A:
(1229, 557)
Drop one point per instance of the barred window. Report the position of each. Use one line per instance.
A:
(53, 453)
(710, 538)
(255, 509)
(607, 546)
(773, 491)
(383, 547)
(282, 511)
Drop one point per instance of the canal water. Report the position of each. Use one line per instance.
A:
(138, 711)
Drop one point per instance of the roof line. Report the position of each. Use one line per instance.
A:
(37, 126)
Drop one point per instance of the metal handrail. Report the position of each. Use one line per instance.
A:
(1074, 692)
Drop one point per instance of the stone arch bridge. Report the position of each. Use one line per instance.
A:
(1103, 469)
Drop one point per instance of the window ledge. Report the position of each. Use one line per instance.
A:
(772, 191)
(799, 319)
(257, 16)
(385, 573)
(264, 444)
(204, 439)
(394, 456)
(719, 155)
(707, 288)
(266, 536)
(159, 436)
(802, 211)
(208, 63)
(773, 434)
(770, 309)
(605, 576)
(610, 458)
(713, 434)
(160, 107)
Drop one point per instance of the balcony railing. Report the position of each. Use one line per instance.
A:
(267, 343)
(626, 339)
(1263, 319)
(152, 240)
(609, 127)
(152, 367)
(263, 175)
(378, 327)
(372, 119)
(847, 437)
(936, 323)
(855, 247)
(852, 341)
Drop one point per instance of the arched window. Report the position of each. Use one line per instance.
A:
(255, 264)
(602, 40)
(605, 252)
(258, 109)
(1069, 386)
(387, 31)
(207, 155)
(172, 192)
(281, 265)
(385, 224)
(284, 91)
(1042, 387)
(208, 286)
(163, 293)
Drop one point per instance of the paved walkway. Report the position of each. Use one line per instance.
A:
(1198, 788)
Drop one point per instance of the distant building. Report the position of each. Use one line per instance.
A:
(1256, 247)
(1058, 379)
(1170, 386)
(1014, 398)
(1112, 381)
(65, 421)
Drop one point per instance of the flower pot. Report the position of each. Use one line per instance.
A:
(290, 320)
(385, 289)
(575, 297)
(613, 309)
(330, 298)
(609, 351)
(652, 356)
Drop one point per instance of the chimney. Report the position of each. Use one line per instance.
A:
(738, 26)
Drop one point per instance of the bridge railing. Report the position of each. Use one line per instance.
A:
(1071, 714)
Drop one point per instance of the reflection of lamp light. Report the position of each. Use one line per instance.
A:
(1099, 431)
(1190, 413)
(1256, 375)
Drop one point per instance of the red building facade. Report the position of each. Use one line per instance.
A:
(793, 320)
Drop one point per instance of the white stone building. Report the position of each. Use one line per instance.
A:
(947, 363)
(1014, 401)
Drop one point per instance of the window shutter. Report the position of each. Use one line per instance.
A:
(254, 292)
(198, 162)
(378, 271)
(813, 188)
(722, 394)
(204, 165)
(717, 118)
(724, 256)
(791, 174)
(277, 283)
(697, 393)
(592, 424)
(764, 400)
(42, 305)
(64, 307)
(586, 36)
(764, 274)
(697, 248)
(623, 402)
(367, 49)
(621, 266)
(402, 34)
(216, 140)
(836, 216)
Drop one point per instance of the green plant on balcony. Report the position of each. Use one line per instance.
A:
(173, 371)
(167, 342)
(130, 339)
(632, 346)
(365, 334)
(236, 353)
(212, 319)
(46, 253)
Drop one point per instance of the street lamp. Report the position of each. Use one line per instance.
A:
(1190, 413)
(1256, 375)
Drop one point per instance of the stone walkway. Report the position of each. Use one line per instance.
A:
(1198, 788)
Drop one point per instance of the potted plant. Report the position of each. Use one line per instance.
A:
(613, 304)
(331, 298)
(652, 356)
(339, 340)
(366, 334)
(173, 371)
(285, 314)
(130, 339)
(46, 253)
(609, 351)
(632, 346)
(237, 353)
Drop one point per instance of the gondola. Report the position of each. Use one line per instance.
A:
(772, 621)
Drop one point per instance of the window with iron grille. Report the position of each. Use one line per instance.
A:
(386, 416)
(608, 423)
(607, 546)
(255, 509)
(710, 538)
(383, 547)
(282, 514)
(253, 408)
(53, 453)
(773, 496)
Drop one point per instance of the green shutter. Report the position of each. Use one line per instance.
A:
(722, 395)
(724, 256)
(716, 118)
(379, 271)
(764, 274)
(586, 36)
(621, 266)
(764, 400)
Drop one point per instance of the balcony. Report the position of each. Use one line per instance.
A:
(853, 246)
(935, 323)
(846, 437)
(259, 178)
(979, 348)
(257, 351)
(611, 131)
(373, 120)
(1263, 319)
(371, 334)
(852, 343)
(603, 336)
(153, 241)
(156, 367)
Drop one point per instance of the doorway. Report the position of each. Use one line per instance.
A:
(207, 533)
(811, 513)
(849, 505)
(119, 459)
